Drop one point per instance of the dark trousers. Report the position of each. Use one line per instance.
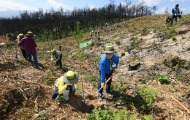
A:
(59, 63)
(175, 17)
(108, 84)
(24, 54)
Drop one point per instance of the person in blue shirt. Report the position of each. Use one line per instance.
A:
(108, 63)
(175, 13)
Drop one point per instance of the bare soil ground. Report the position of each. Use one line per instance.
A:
(26, 91)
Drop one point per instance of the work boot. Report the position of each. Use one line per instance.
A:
(100, 97)
(109, 96)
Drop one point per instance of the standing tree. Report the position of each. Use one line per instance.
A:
(154, 9)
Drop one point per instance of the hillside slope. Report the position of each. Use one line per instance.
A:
(155, 48)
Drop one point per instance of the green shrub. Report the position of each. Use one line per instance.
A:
(164, 79)
(170, 32)
(98, 114)
(108, 114)
(148, 117)
(132, 117)
(60, 99)
(145, 98)
(120, 114)
(174, 38)
(122, 88)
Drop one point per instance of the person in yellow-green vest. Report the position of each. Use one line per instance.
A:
(66, 85)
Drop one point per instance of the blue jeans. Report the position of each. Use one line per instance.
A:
(34, 55)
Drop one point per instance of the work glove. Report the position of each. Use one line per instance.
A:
(103, 85)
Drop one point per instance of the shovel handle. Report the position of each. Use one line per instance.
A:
(105, 82)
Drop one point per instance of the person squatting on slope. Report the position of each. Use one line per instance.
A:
(30, 47)
(108, 63)
(66, 85)
(175, 13)
(19, 38)
(56, 56)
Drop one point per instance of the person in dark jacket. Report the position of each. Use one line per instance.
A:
(30, 47)
(175, 13)
(108, 63)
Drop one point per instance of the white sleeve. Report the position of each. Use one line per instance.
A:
(58, 55)
(52, 57)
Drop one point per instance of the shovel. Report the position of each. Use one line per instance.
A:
(114, 72)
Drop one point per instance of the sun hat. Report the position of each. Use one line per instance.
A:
(70, 77)
(109, 49)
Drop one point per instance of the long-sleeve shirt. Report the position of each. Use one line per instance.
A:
(57, 55)
(59, 84)
(29, 44)
(106, 66)
(175, 11)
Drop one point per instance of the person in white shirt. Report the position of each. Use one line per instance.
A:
(19, 38)
(56, 56)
